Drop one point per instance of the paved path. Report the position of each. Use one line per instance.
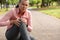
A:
(45, 27)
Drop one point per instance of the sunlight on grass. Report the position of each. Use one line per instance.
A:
(53, 12)
(3, 11)
(33, 7)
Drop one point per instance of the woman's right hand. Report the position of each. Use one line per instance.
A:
(16, 22)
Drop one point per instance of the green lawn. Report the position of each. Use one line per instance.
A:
(3, 11)
(52, 12)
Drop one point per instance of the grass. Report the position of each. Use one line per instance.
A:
(53, 12)
(33, 7)
(3, 10)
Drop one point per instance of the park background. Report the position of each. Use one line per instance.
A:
(45, 18)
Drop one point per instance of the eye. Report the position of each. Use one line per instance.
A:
(26, 5)
(22, 4)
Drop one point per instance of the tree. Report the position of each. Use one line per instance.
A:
(45, 3)
(58, 1)
(2, 2)
(32, 2)
(38, 3)
(8, 2)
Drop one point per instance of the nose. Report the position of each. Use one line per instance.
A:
(24, 7)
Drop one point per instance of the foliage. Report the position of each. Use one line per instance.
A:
(9, 1)
(3, 1)
(13, 1)
(38, 3)
(53, 12)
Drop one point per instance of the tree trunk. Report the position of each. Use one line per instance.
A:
(37, 5)
(7, 6)
(1, 5)
(43, 4)
(58, 3)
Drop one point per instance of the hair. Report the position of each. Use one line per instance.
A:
(20, 2)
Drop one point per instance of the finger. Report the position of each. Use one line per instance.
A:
(17, 24)
(18, 21)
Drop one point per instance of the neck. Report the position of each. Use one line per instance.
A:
(21, 12)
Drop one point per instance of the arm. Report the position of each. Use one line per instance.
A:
(4, 20)
(29, 22)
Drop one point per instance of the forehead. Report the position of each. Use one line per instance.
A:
(25, 2)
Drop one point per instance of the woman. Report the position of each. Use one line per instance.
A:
(18, 21)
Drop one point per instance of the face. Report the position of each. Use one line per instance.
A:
(23, 5)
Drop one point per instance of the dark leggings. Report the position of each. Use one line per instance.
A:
(18, 33)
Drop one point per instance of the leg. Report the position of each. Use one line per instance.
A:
(12, 33)
(23, 31)
(32, 38)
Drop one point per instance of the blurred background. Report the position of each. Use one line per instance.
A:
(45, 18)
(52, 6)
